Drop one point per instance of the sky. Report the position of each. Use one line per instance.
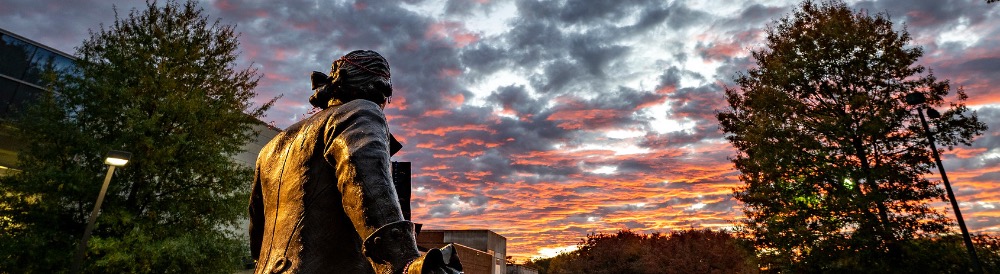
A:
(545, 121)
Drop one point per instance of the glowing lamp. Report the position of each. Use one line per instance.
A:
(117, 158)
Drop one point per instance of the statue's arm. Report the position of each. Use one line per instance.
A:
(256, 209)
(359, 150)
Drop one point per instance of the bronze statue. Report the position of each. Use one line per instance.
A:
(322, 199)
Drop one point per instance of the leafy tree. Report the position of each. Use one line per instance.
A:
(831, 159)
(987, 247)
(947, 254)
(541, 264)
(690, 251)
(161, 83)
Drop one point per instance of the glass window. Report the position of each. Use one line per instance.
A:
(7, 90)
(15, 56)
(43, 62)
(64, 65)
(25, 95)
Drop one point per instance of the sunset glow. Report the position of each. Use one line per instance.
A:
(546, 121)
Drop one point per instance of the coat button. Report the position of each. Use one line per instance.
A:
(280, 265)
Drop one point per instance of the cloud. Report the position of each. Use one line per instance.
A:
(548, 120)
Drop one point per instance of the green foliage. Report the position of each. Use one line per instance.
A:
(947, 254)
(162, 84)
(542, 264)
(690, 251)
(987, 247)
(831, 158)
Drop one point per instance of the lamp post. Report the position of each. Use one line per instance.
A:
(918, 99)
(116, 158)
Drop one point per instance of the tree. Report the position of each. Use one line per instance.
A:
(161, 83)
(689, 251)
(541, 264)
(947, 254)
(831, 159)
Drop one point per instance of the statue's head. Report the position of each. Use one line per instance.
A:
(361, 74)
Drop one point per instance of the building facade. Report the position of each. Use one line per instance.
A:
(520, 269)
(22, 65)
(481, 251)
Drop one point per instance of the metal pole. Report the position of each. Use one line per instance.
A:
(951, 195)
(77, 262)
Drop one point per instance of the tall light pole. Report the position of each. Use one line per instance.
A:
(115, 158)
(918, 99)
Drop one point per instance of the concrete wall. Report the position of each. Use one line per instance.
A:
(520, 269)
(485, 242)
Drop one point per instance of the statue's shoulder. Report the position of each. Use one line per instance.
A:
(354, 109)
(360, 105)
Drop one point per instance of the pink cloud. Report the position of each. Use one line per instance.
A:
(453, 31)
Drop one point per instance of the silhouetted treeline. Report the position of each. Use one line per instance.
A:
(688, 251)
(706, 251)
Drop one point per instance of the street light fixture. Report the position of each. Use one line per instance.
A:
(115, 158)
(918, 99)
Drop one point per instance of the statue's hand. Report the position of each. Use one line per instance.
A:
(436, 261)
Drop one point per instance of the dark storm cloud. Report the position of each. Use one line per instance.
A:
(631, 166)
(632, 225)
(484, 58)
(727, 73)
(493, 161)
(593, 56)
(322, 31)
(573, 54)
(689, 104)
(757, 15)
(605, 211)
(699, 104)
(424, 56)
(991, 176)
(740, 29)
(987, 66)
(466, 8)
(970, 62)
(558, 76)
(990, 139)
(62, 25)
(677, 201)
(725, 204)
(460, 7)
(977, 72)
(583, 12)
(926, 14)
(527, 36)
(650, 12)
(516, 98)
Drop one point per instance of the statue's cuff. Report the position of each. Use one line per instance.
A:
(393, 244)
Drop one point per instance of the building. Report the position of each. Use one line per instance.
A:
(480, 251)
(520, 269)
(22, 63)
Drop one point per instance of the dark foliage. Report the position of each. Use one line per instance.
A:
(690, 251)
(160, 83)
(832, 159)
